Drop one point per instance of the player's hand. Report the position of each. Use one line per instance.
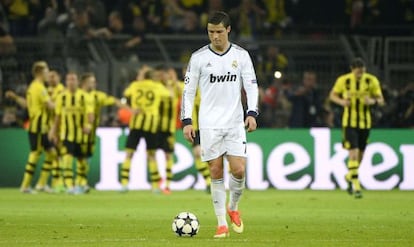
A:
(369, 101)
(51, 135)
(87, 129)
(250, 123)
(189, 133)
(10, 94)
(346, 102)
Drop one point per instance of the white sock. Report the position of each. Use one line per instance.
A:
(218, 194)
(236, 186)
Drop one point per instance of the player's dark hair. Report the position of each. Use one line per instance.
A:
(148, 74)
(86, 76)
(357, 63)
(219, 17)
(162, 67)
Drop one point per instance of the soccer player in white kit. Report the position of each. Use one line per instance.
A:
(221, 69)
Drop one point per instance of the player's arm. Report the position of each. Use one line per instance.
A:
(53, 133)
(21, 101)
(126, 101)
(376, 97)
(252, 93)
(90, 115)
(335, 94)
(45, 97)
(187, 103)
(109, 100)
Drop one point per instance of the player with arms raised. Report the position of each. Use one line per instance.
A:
(144, 97)
(220, 70)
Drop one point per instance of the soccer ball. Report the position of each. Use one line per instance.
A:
(185, 224)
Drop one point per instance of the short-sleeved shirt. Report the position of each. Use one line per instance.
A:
(220, 78)
(37, 98)
(358, 114)
(73, 110)
(168, 109)
(145, 96)
(53, 93)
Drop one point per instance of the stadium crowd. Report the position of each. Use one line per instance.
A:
(285, 102)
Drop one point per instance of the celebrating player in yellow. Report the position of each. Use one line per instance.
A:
(356, 92)
(144, 97)
(54, 88)
(168, 121)
(38, 104)
(202, 167)
(74, 120)
(100, 99)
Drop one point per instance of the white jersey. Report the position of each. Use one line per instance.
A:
(220, 78)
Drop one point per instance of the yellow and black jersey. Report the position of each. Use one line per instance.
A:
(73, 110)
(145, 96)
(196, 109)
(53, 93)
(168, 108)
(100, 99)
(358, 114)
(37, 98)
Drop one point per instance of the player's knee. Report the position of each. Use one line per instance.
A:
(151, 154)
(238, 171)
(35, 155)
(51, 154)
(216, 171)
(129, 153)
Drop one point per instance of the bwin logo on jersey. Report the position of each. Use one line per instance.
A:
(223, 78)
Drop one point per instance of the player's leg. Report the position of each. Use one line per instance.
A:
(350, 142)
(68, 151)
(131, 145)
(218, 194)
(82, 168)
(353, 165)
(363, 135)
(57, 176)
(57, 173)
(202, 167)
(236, 148)
(154, 174)
(50, 156)
(30, 168)
(169, 156)
(212, 144)
(152, 140)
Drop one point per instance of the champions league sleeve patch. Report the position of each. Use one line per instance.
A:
(186, 79)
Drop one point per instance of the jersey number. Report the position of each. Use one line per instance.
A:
(145, 99)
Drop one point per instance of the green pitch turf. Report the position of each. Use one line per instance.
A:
(272, 218)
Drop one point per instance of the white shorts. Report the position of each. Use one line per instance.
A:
(216, 142)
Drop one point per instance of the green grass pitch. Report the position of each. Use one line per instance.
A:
(272, 218)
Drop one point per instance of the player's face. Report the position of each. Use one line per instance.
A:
(358, 72)
(53, 79)
(218, 35)
(309, 79)
(91, 83)
(45, 73)
(71, 81)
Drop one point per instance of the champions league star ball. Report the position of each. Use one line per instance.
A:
(185, 224)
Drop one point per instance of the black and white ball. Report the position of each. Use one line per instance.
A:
(185, 224)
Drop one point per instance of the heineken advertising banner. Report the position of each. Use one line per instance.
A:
(277, 158)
